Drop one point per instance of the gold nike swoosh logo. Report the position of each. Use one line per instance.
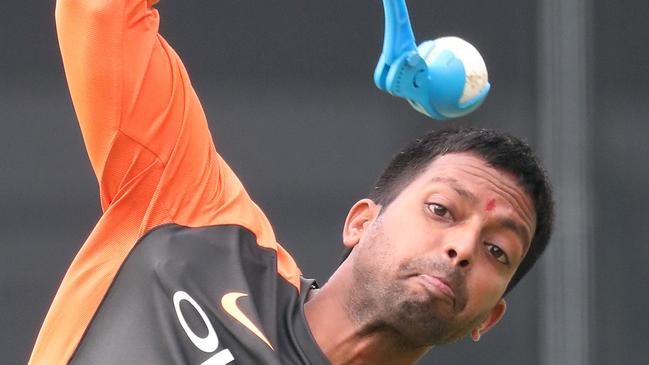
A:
(229, 303)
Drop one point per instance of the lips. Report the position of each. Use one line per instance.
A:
(437, 287)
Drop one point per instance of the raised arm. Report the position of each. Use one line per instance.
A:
(106, 48)
(150, 147)
(130, 90)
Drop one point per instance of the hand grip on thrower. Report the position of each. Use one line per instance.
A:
(432, 77)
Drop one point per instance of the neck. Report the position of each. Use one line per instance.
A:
(346, 342)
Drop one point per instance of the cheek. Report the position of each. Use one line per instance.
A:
(389, 246)
(484, 290)
(376, 249)
(414, 231)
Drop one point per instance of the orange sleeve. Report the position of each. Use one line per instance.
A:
(150, 147)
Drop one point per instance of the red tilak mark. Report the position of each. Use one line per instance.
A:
(491, 205)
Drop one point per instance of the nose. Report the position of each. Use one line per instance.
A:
(462, 261)
(461, 249)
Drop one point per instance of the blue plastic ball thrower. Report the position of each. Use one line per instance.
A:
(433, 85)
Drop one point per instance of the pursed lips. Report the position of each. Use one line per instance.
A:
(437, 285)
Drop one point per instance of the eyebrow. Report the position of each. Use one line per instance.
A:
(455, 185)
(517, 228)
(508, 223)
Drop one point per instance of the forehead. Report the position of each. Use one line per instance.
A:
(470, 172)
(468, 168)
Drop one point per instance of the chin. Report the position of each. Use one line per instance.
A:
(422, 323)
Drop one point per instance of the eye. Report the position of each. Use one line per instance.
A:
(440, 210)
(498, 253)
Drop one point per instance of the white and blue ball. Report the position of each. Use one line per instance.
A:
(457, 76)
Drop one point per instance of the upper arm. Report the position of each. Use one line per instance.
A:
(104, 44)
(130, 91)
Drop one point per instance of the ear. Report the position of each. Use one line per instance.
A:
(360, 216)
(493, 317)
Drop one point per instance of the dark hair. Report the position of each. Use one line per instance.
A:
(499, 150)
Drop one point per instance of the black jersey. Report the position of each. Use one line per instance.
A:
(200, 296)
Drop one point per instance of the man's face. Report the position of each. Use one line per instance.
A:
(433, 265)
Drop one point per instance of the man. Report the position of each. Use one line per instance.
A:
(183, 268)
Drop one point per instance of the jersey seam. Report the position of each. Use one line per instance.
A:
(149, 232)
(112, 283)
(120, 91)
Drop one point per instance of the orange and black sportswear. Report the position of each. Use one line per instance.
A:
(182, 267)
